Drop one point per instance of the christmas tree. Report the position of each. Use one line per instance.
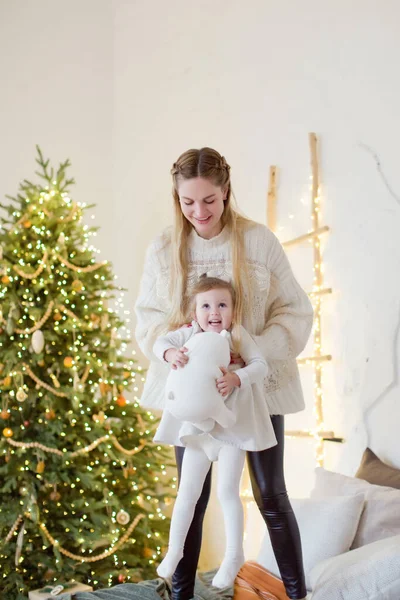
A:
(82, 487)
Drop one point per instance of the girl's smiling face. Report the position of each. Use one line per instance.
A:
(214, 310)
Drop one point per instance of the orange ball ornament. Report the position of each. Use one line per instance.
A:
(27, 224)
(68, 362)
(7, 381)
(50, 414)
(5, 414)
(5, 279)
(147, 552)
(121, 401)
(7, 432)
(57, 316)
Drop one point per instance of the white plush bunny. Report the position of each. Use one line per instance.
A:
(191, 392)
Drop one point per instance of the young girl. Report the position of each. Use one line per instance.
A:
(213, 308)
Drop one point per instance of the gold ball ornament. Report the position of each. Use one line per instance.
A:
(41, 363)
(27, 224)
(99, 418)
(57, 316)
(40, 466)
(127, 374)
(7, 381)
(123, 517)
(77, 285)
(21, 395)
(5, 279)
(7, 432)
(68, 362)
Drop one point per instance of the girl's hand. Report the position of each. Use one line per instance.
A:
(227, 382)
(177, 358)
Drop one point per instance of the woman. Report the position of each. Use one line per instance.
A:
(210, 236)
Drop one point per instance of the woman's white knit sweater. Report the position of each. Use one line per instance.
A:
(280, 319)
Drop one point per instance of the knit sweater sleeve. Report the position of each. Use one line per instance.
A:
(151, 312)
(256, 368)
(289, 313)
(172, 339)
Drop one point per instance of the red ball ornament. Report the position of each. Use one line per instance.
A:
(27, 423)
(121, 578)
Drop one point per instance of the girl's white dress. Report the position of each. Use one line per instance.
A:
(253, 428)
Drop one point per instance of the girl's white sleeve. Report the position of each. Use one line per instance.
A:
(256, 368)
(151, 314)
(173, 339)
(289, 314)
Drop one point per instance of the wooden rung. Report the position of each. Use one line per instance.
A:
(328, 436)
(313, 359)
(320, 292)
(308, 433)
(306, 236)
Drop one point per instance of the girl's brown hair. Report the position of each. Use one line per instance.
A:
(208, 164)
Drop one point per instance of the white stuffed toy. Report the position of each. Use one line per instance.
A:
(191, 391)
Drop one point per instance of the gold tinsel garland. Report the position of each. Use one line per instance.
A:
(39, 324)
(64, 261)
(36, 274)
(89, 448)
(87, 269)
(13, 528)
(43, 384)
(86, 559)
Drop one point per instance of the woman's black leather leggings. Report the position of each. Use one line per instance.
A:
(268, 483)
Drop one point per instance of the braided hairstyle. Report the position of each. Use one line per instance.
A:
(207, 164)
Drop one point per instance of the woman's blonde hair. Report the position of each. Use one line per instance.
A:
(206, 284)
(208, 164)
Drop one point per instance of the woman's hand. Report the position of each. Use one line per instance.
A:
(177, 358)
(237, 360)
(227, 382)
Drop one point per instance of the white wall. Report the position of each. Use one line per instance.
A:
(123, 88)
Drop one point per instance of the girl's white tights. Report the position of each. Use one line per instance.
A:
(195, 466)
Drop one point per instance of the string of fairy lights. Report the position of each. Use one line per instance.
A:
(316, 361)
(319, 433)
(55, 266)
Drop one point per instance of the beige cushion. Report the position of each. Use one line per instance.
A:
(368, 573)
(373, 470)
(381, 516)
